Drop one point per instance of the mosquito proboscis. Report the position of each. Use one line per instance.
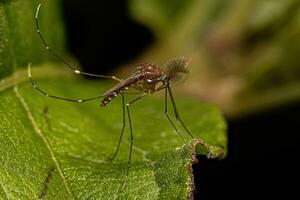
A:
(146, 79)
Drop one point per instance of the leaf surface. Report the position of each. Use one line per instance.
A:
(19, 43)
(53, 149)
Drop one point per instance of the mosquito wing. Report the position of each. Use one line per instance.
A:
(123, 85)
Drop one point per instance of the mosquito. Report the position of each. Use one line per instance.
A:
(146, 79)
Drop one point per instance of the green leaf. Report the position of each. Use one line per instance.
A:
(59, 150)
(159, 15)
(19, 43)
(50, 149)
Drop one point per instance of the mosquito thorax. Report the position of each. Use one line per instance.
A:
(150, 76)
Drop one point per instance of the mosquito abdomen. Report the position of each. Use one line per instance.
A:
(108, 98)
(118, 89)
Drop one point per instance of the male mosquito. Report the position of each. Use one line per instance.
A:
(146, 79)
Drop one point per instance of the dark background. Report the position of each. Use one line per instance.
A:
(102, 36)
(261, 168)
(262, 157)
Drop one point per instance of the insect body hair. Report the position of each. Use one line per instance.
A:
(176, 69)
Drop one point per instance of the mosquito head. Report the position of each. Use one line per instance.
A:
(176, 69)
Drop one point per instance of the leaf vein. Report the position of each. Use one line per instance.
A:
(44, 139)
(4, 190)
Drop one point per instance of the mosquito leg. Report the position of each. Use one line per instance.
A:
(161, 87)
(124, 123)
(167, 115)
(76, 71)
(131, 137)
(176, 112)
(122, 131)
(57, 97)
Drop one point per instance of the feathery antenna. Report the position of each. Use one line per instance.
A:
(176, 68)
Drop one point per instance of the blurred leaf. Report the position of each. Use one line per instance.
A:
(59, 150)
(161, 16)
(242, 51)
(19, 43)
